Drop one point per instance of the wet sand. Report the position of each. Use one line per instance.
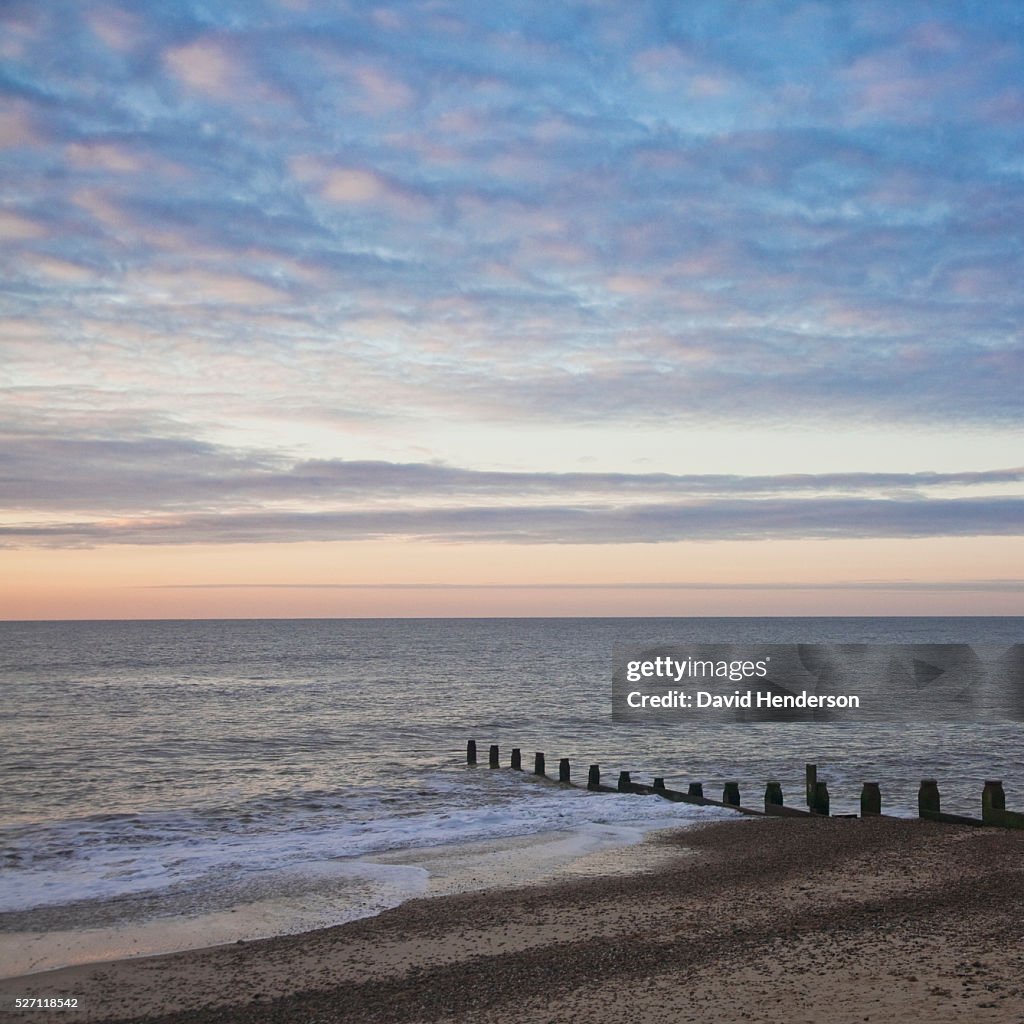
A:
(835, 920)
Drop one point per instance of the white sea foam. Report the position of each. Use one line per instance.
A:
(102, 860)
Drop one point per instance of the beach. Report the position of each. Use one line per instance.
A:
(748, 920)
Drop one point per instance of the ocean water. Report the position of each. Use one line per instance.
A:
(173, 784)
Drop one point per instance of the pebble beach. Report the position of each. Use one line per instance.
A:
(750, 920)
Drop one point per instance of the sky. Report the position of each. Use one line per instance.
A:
(447, 308)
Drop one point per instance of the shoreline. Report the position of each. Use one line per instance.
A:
(782, 920)
(50, 940)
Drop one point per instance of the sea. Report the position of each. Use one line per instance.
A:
(174, 784)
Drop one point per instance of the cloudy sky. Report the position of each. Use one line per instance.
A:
(441, 307)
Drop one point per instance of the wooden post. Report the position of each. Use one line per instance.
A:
(993, 800)
(517, 759)
(773, 795)
(659, 783)
(624, 783)
(471, 752)
(928, 797)
(820, 799)
(695, 789)
(594, 778)
(563, 770)
(731, 794)
(538, 763)
(812, 778)
(870, 800)
(492, 756)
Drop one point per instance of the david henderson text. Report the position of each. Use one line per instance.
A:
(749, 699)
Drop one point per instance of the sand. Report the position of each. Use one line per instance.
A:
(822, 920)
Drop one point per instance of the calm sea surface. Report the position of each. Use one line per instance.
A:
(260, 776)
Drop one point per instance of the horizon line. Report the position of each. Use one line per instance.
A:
(983, 585)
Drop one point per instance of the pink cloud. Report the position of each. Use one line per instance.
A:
(339, 184)
(982, 282)
(118, 28)
(213, 66)
(16, 129)
(16, 228)
(104, 157)
(352, 185)
(204, 286)
(935, 37)
(356, 186)
(1005, 108)
(382, 93)
(204, 66)
(669, 69)
(633, 284)
(61, 270)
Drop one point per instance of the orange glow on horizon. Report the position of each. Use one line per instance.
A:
(302, 580)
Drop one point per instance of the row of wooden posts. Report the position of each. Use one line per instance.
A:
(993, 799)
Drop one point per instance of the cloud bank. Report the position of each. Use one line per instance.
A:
(578, 212)
(172, 491)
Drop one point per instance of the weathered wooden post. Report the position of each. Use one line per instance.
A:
(594, 778)
(659, 782)
(492, 756)
(870, 800)
(812, 778)
(517, 759)
(820, 801)
(731, 794)
(471, 752)
(695, 789)
(928, 798)
(773, 795)
(538, 763)
(625, 786)
(563, 770)
(993, 800)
